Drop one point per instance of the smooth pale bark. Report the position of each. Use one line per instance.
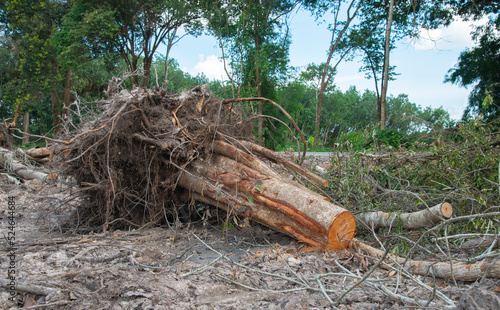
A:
(280, 205)
(67, 92)
(421, 219)
(277, 158)
(457, 270)
(15, 167)
(385, 81)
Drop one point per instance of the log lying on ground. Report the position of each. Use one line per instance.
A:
(456, 270)
(14, 167)
(277, 158)
(139, 156)
(421, 219)
(269, 201)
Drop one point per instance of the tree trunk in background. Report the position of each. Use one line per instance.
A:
(170, 43)
(67, 93)
(26, 128)
(258, 81)
(383, 97)
(147, 72)
(56, 121)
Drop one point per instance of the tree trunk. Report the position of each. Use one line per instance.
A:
(56, 120)
(456, 270)
(383, 96)
(135, 78)
(280, 205)
(67, 93)
(170, 43)
(260, 108)
(421, 219)
(26, 128)
(326, 75)
(147, 71)
(14, 167)
(277, 158)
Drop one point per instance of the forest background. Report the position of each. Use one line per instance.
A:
(57, 58)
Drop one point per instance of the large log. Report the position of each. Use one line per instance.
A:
(14, 167)
(267, 200)
(456, 270)
(277, 158)
(230, 151)
(421, 219)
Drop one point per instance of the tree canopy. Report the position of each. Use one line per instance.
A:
(55, 52)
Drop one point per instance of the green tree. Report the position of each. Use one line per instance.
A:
(137, 28)
(339, 28)
(30, 24)
(258, 41)
(478, 66)
(383, 24)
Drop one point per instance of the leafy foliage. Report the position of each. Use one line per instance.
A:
(461, 167)
(478, 66)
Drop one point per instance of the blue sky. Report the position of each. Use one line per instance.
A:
(422, 64)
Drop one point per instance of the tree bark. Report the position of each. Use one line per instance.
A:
(147, 71)
(383, 96)
(421, 219)
(26, 128)
(67, 93)
(15, 167)
(277, 158)
(327, 74)
(280, 205)
(56, 120)
(456, 270)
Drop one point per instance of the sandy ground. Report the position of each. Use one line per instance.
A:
(192, 266)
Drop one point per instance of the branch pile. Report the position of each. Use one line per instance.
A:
(148, 153)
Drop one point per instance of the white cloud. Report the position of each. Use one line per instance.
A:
(456, 35)
(211, 66)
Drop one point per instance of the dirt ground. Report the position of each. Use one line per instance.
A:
(194, 265)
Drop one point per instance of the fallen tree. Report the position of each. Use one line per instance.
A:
(149, 153)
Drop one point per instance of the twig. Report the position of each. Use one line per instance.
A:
(103, 258)
(56, 303)
(200, 270)
(326, 295)
(226, 101)
(363, 278)
(35, 289)
(388, 292)
(79, 255)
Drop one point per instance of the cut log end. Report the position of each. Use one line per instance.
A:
(341, 231)
(446, 210)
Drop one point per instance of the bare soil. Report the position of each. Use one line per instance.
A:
(195, 265)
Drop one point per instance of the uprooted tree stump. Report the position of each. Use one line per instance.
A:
(148, 152)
